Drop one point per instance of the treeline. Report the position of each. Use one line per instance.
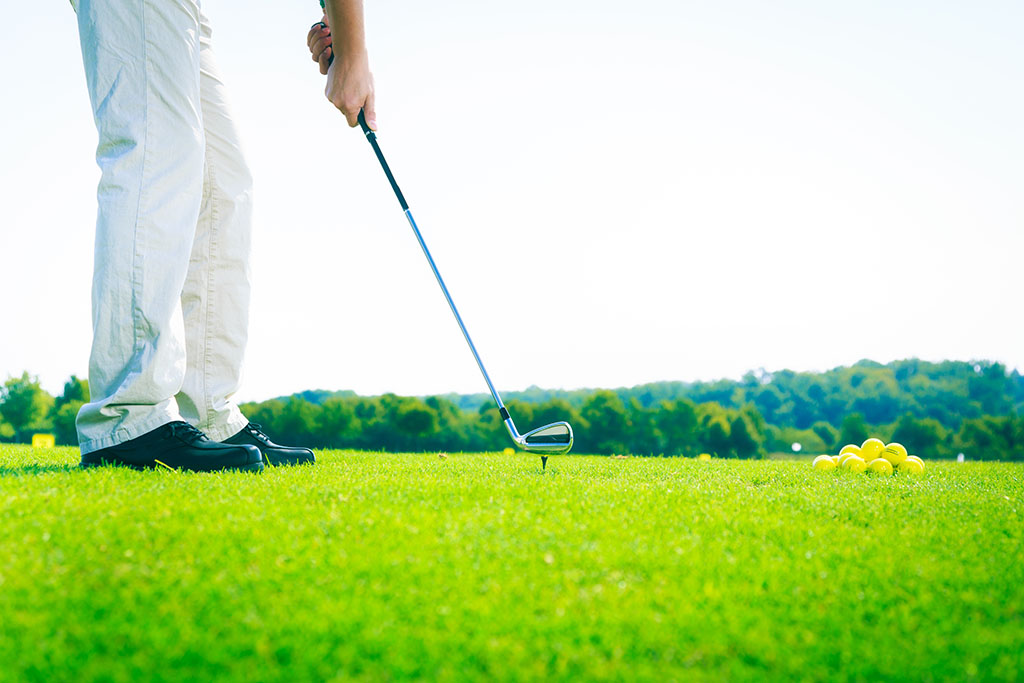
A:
(603, 424)
(936, 409)
(949, 391)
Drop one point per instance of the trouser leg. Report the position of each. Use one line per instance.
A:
(215, 300)
(142, 71)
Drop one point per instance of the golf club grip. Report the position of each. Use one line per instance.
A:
(362, 123)
(372, 137)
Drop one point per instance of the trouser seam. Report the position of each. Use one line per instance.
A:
(209, 311)
(138, 263)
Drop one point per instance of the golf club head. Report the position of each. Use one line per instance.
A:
(550, 439)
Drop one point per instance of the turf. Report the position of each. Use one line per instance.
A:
(377, 567)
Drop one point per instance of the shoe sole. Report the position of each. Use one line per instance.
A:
(251, 467)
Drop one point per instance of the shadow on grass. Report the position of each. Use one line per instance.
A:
(26, 470)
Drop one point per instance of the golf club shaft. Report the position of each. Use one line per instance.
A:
(372, 137)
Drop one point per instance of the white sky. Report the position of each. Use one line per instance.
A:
(616, 193)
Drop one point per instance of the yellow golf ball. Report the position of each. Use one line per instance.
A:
(870, 449)
(824, 463)
(854, 463)
(850, 448)
(911, 466)
(880, 466)
(895, 453)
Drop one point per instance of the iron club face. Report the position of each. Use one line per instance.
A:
(550, 439)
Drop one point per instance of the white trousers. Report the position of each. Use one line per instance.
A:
(170, 292)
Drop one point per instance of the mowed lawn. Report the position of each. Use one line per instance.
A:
(472, 567)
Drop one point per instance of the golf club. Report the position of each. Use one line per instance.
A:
(547, 440)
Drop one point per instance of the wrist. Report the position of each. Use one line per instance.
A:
(351, 54)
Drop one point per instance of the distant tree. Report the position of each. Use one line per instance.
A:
(676, 422)
(991, 387)
(992, 438)
(922, 436)
(75, 389)
(336, 418)
(1017, 384)
(724, 392)
(521, 411)
(608, 421)
(64, 430)
(853, 430)
(555, 410)
(6, 430)
(755, 419)
(773, 441)
(24, 405)
(713, 430)
(489, 429)
(376, 431)
(455, 429)
(643, 437)
(715, 437)
(296, 422)
(828, 434)
(769, 400)
(266, 414)
(878, 397)
(742, 439)
(370, 410)
(65, 410)
(803, 411)
(415, 419)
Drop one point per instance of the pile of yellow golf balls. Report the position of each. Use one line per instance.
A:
(873, 456)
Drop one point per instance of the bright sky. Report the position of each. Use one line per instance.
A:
(615, 193)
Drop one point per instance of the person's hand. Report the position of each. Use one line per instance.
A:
(320, 44)
(350, 87)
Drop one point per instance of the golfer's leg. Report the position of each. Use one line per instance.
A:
(215, 300)
(142, 71)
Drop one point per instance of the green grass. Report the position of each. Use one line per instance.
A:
(379, 567)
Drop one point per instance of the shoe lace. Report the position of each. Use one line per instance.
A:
(185, 432)
(257, 431)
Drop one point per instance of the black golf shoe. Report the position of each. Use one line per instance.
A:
(177, 445)
(273, 454)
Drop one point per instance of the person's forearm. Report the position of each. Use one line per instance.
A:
(346, 20)
(349, 81)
